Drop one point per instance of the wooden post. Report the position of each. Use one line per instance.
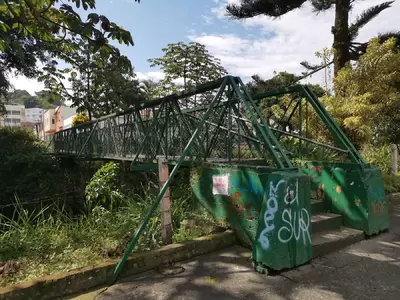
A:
(166, 219)
(394, 159)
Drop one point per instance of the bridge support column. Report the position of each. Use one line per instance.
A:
(165, 205)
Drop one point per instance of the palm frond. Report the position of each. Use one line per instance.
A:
(365, 17)
(252, 8)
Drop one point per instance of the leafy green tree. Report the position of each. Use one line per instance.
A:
(101, 84)
(33, 31)
(366, 100)
(344, 34)
(151, 89)
(191, 63)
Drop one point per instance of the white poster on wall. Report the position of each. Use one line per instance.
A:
(221, 184)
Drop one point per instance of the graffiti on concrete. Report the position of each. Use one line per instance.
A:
(249, 186)
(378, 208)
(272, 208)
(243, 208)
(295, 219)
(378, 205)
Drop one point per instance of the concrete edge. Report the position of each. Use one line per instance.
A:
(87, 278)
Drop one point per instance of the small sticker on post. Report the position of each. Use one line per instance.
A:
(221, 184)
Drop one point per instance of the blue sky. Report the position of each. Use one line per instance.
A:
(256, 46)
(153, 24)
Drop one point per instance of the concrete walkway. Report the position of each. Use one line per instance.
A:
(367, 270)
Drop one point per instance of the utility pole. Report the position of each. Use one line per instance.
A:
(395, 154)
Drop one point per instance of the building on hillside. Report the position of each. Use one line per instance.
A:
(49, 122)
(14, 116)
(63, 113)
(34, 119)
(34, 115)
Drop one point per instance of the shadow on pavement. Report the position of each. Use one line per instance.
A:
(367, 270)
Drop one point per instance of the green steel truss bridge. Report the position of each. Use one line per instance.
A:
(282, 146)
(228, 127)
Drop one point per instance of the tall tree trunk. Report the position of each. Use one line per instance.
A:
(340, 32)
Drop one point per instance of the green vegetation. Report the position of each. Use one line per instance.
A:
(34, 244)
(80, 119)
(367, 101)
(190, 62)
(34, 32)
(392, 183)
(101, 84)
(59, 214)
(30, 172)
(50, 230)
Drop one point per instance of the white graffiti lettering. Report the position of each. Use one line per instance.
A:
(296, 221)
(269, 215)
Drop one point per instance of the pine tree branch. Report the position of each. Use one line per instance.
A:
(252, 8)
(314, 71)
(309, 66)
(365, 17)
(321, 5)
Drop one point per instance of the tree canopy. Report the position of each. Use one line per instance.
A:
(101, 84)
(191, 63)
(367, 98)
(33, 32)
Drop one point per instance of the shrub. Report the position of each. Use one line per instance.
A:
(25, 167)
(104, 187)
(379, 156)
(392, 183)
(80, 119)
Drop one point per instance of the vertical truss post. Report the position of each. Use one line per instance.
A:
(148, 132)
(166, 219)
(229, 125)
(187, 125)
(300, 127)
(135, 239)
(306, 119)
(216, 132)
(270, 147)
(87, 140)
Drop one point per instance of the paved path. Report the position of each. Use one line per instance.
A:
(367, 270)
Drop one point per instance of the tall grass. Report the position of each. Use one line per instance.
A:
(48, 240)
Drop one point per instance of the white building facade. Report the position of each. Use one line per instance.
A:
(14, 116)
(34, 115)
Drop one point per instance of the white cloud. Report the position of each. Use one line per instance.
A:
(155, 76)
(298, 35)
(207, 20)
(23, 83)
(31, 85)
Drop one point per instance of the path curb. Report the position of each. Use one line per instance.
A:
(83, 279)
(393, 199)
